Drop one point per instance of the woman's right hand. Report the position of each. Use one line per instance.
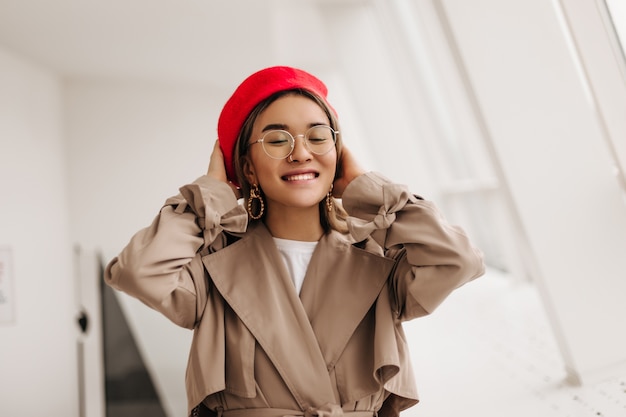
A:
(217, 169)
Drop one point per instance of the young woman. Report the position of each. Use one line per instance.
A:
(296, 305)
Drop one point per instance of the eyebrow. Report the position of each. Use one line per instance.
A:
(280, 126)
(274, 126)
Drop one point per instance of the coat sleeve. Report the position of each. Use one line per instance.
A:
(162, 264)
(432, 257)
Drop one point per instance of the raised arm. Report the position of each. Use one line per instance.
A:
(162, 266)
(432, 257)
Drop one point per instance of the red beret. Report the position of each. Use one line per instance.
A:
(254, 89)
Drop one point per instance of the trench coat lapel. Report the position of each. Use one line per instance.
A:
(341, 286)
(252, 278)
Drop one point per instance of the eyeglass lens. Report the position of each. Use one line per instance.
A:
(279, 143)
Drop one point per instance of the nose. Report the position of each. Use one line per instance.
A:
(300, 150)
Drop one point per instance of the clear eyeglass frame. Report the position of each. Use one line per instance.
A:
(279, 144)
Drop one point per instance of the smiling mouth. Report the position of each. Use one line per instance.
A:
(301, 177)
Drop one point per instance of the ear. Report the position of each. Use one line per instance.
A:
(249, 170)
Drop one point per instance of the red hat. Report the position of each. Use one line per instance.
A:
(254, 89)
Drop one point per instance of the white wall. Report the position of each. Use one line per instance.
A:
(547, 137)
(38, 370)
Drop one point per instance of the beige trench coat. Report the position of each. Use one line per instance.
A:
(336, 348)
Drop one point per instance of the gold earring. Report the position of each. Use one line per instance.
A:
(329, 199)
(256, 195)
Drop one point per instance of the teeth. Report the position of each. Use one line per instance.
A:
(300, 177)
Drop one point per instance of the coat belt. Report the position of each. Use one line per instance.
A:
(328, 410)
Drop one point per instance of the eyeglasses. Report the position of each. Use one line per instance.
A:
(279, 144)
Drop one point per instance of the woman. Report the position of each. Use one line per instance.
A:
(296, 304)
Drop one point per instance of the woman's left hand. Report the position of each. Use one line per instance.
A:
(349, 170)
(217, 169)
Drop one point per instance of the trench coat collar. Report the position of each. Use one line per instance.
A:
(305, 339)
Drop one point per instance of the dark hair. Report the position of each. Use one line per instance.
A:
(334, 220)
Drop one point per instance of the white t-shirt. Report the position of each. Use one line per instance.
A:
(297, 255)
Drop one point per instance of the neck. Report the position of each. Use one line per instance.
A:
(295, 224)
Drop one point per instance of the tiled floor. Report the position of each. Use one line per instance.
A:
(488, 351)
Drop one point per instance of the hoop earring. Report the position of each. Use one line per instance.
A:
(329, 199)
(256, 195)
